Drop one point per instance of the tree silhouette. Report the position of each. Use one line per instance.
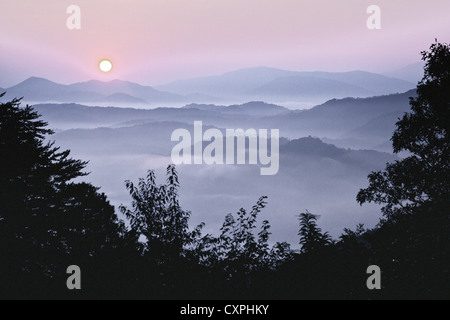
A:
(156, 217)
(415, 231)
(160, 229)
(241, 258)
(422, 179)
(242, 252)
(47, 222)
(311, 236)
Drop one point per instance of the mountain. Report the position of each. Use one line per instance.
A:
(349, 122)
(115, 92)
(71, 115)
(412, 73)
(149, 138)
(204, 107)
(63, 116)
(360, 109)
(375, 83)
(253, 84)
(379, 127)
(134, 90)
(312, 147)
(281, 85)
(229, 84)
(338, 116)
(255, 108)
(123, 143)
(308, 87)
(316, 148)
(337, 85)
(366, 123)
(38, 89)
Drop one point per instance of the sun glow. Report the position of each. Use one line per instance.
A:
(105, 65)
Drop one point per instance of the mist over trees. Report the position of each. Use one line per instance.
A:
(49, 222)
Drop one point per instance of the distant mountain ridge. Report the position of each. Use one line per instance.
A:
(81, 116)
(315, 147)
(271, 85)
(256, 108)
(277, 84)
(350, 122)
(412, 73)
(116, 91)
(126, 87)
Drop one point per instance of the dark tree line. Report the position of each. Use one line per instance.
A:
(48, 222)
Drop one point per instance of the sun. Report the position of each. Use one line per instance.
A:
(105, 65)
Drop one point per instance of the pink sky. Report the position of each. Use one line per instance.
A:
(156, 41)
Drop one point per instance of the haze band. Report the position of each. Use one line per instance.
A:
(235, 140)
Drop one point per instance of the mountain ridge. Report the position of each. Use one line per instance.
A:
(43, 90)
(272, 85)
(247, 81)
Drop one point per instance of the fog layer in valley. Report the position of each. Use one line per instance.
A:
(326, 150)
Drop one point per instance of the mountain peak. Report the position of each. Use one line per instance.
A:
(312, 146)
(34, 80)
(38, 89)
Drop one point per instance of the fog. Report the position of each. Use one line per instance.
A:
(313, 175)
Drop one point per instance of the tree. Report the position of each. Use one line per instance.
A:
(240, 259)
(157, 218)
(414, 236)
(311, 236)
(47, 222)
(423, 178)
(240, 251)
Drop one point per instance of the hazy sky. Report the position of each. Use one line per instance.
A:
(156, 41)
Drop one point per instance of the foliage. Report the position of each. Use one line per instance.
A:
(238, 251)
(156, 216)
(45, 219)
(423, 178)
(415, 191)
(311, 236)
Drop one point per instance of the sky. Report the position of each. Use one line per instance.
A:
(157, 41)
